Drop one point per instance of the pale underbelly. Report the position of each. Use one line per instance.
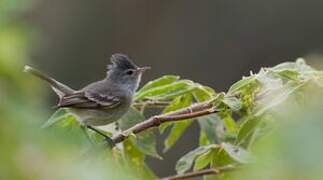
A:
(92, 117)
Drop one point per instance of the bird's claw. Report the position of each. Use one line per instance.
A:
(110, 142)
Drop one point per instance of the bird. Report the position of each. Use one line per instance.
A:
(101, 102)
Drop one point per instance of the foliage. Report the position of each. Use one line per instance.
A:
(244, 114)
(268, 122)
(28, 151)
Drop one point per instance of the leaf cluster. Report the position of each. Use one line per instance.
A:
(244, 114)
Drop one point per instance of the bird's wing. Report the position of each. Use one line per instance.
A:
(89, 100)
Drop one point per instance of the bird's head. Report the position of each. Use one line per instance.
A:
(124, 72)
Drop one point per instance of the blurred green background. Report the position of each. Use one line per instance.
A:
(211, 42)
(27, 151)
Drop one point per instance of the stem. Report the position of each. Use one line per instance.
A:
(196, 110)
(213, 171)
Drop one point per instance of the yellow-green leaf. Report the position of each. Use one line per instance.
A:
(145, 141)
(164, 80)
(167, 91)
(178, 103)
(233, 103)
(175, 133)
(203, 160)
(59, 115)
(186, 162)
(241, 84)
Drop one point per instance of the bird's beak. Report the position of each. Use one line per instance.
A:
(143, 69)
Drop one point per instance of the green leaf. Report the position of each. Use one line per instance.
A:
(176, 93)
(236, 153)
(178, 127)
(246, 81)
(233, 103)
(227, 154)
(203, 93)
(246, 130)
(164, 80)
(289, 74)
(229, 123)
(275, 97)
(203, 140)
(299, 65)
(167, 91)
(164, 126)
(131, 118)
(209, 125)
(319, 78)
(269, 80)
(59, 115)
(284, 66)
(186, 162)
(95, 137)
(145, 141)
(68, 121)
(135, 156)
(135, 160)
(176, 132)
(203, 160)
(178, 103)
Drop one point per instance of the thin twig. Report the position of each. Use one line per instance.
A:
(196, 110)
(212, 171)
(185, 116)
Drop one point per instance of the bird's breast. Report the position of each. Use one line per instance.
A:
(99, 117)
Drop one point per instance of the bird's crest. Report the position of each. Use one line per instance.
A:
(122, 62)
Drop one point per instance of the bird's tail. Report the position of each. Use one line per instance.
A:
(59, 88)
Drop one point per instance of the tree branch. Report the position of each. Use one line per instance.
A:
(196, 110)
(213, 171)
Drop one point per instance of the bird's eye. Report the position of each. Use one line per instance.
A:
(130, 72)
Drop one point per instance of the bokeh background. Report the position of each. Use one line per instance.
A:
(213, 42)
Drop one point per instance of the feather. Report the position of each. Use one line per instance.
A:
(88, 100)
(121, 62)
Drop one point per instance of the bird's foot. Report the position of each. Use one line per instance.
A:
(110, 142)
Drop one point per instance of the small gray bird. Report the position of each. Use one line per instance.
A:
(102, 102)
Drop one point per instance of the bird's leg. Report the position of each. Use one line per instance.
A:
(107, 138)
(97, 131)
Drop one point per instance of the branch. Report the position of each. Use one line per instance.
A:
(196, 110)
(213, 171)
